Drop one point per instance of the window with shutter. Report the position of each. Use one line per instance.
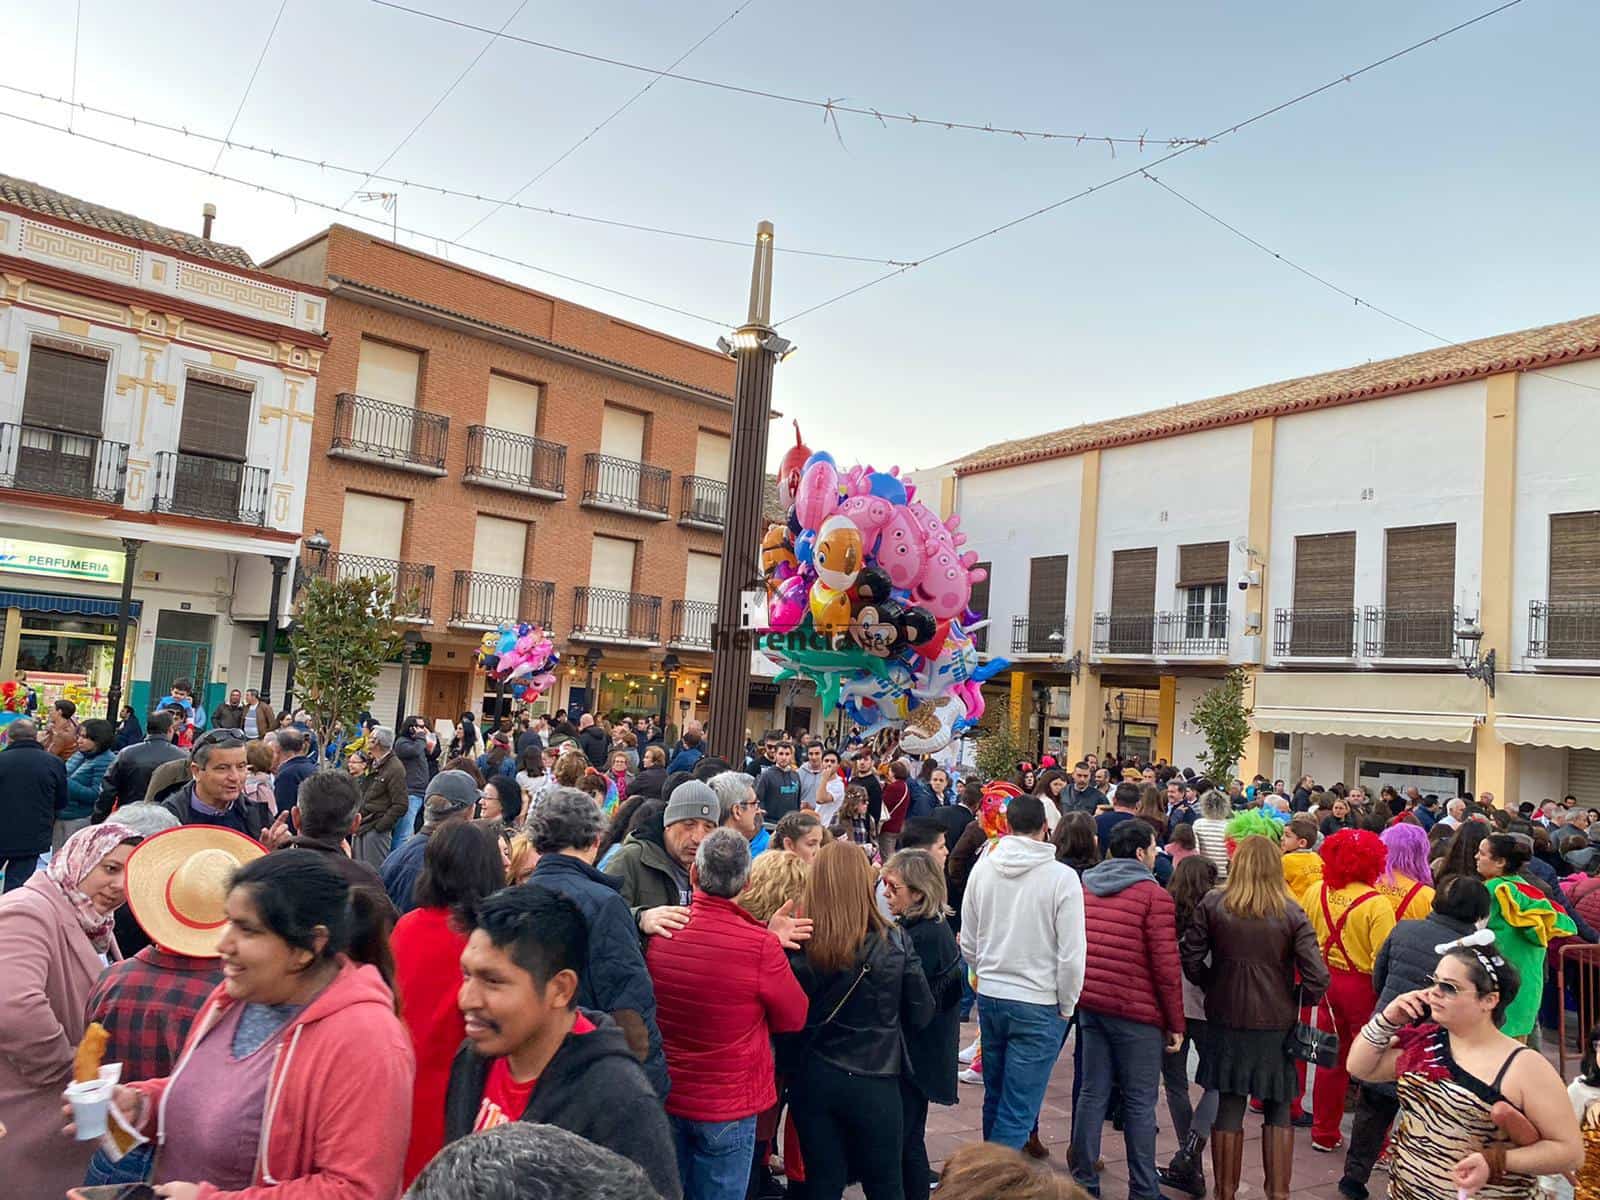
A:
(1324, 595)
(1573, 610)
(66, 388)
(216, 419)
(1133, 602)
(1202, 563)
(979, 603)
(1419, 584)
(1047, 605)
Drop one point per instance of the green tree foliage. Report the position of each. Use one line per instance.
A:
(999, 750)
(345, 630)
(1224, 721)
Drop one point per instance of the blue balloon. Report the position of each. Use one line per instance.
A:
(888, 487)
(805, 545)
(819, 456)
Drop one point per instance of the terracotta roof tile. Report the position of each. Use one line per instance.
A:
(1545, 346)
(49, 202)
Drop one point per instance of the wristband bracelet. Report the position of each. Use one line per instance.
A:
(1495, 1156)
(1378, 1032)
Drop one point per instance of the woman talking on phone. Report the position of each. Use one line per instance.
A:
(1480, 1114)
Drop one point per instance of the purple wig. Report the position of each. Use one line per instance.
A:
(1408, 853)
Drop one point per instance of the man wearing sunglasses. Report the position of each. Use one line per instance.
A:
(216, 784)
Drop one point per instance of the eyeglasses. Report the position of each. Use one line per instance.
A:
(212, 737)
(1443, 986)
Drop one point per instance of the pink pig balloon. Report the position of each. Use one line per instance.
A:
(946, 584)
(869, 514)
(818, 496)
(902, 549)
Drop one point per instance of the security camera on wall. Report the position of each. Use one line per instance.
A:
(1242, 583)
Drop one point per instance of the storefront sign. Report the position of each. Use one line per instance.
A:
(66, 562)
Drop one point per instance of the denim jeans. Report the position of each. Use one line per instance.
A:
(1021, 1043)
(408, 823)
(1127, 1054)
(132, 1167)
(714, 1157)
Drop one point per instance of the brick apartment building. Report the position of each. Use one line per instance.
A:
(507, 455)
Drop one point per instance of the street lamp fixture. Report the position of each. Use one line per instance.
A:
(1470, 637)
(319, 544)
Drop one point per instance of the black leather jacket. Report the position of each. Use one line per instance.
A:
(857, 1016)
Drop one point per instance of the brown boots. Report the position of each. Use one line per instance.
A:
(1227, 1155)
(1277, 1159)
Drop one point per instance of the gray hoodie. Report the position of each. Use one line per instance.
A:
(1022, 925)
(1116, 875)
(809, 780)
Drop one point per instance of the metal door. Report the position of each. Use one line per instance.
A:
(179, 660)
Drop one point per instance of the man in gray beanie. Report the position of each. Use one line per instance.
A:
(653, 875)
(451, 795)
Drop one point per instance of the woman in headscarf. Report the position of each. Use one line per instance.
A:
(55, 938)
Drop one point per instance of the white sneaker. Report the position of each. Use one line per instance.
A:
(970, 1076)
(968, 1053)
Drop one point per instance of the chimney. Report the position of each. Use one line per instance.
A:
(208, 214)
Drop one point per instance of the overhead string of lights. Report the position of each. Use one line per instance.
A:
(830, 108)
(1178, 151)
(422, 186)
(295, 198)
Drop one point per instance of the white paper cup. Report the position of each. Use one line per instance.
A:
(89, 1103)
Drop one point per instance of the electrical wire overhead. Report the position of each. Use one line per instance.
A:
(1178, 152)
(269, 190)
(323, 164)
(249, 83)
(829, 108)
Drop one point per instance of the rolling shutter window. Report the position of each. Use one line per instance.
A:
(979, 603)
(499, 547)
(1419, 568)
(388, 373)
(66, 389)
(1583, 776)
(1574, 558)
(216, 420)
(513, 406)
(1133, 581)
(700, 580)
(711, 456)
(1202, 563)
(622, 434)
(1047, 592)
(372, 526)
(1325, 572)
(611, 564)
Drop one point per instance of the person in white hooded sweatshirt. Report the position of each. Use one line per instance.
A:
(1022, 931)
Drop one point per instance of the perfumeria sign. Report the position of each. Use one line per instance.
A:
(69, 562)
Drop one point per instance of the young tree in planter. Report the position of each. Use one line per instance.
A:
(345, 631)
(1224, 721)
(999, 750)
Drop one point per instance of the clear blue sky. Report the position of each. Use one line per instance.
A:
(1455, 187)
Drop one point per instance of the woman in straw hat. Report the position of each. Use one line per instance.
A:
(55, 938)
(297, 1068)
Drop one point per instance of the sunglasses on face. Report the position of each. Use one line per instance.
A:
(1444, 986)
(212, 737)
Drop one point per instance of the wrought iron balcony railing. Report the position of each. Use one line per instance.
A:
(1315, 632)
(55, 463)
(605, 615)
(691, 623)
(513, 461)
(1038, 637)
(1130, 633)
(1569, 629)
(1410, 633)
(705, 502)
(220, 488)
(481, 601)
(626, 486)
(412, 581)
(1197, 633)
(391, 434)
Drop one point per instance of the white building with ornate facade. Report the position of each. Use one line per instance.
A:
(156, 397)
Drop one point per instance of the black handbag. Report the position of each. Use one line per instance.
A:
(1311, 1045)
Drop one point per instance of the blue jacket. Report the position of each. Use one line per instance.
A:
(286, 784)
(686, 759)
(33, 788)
(923, 801)
(84, 773)
(615, 978)
(400, 871)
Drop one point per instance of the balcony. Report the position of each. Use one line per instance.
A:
(622, 485)
(48, 461)
(412, 581)
(1315, 632)
(705, 503)
(514, 462)
(1048, 638)
(219, 488)
(1192, 633)
(691, 624)
(1568, 631)
(481, 601)
(605, 615)
(391, 435)
(1415, 633)
(1130, 634)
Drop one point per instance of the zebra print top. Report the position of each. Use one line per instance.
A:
(1444, 1116)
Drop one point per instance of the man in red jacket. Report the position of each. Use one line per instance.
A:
(1131, 1008)
(723, 988)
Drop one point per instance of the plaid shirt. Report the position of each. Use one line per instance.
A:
(147, 1004)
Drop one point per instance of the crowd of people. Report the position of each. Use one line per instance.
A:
(584, 957)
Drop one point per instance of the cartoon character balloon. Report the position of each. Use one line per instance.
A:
(520, 655)
(868, 594)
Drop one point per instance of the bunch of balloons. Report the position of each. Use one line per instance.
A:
(867, 597)
(520, 655)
